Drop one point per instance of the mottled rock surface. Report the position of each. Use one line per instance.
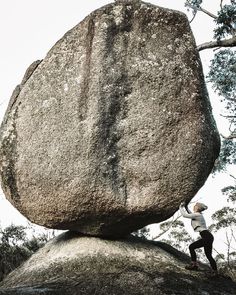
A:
(113, 129)
(72, 264)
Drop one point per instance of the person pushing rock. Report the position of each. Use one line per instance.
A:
(199, 225)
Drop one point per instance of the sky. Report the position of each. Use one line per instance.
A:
(29, 28)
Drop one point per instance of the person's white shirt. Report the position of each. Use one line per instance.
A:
(197, 219)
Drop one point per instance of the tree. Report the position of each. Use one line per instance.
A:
(222, 74)
(225, 23)
(16, 247)
(177, 236)
(225, 219)
(143, 233)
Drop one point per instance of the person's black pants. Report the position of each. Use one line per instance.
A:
(206, 241)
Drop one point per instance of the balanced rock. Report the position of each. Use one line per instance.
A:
(113, 129)
(72, 264)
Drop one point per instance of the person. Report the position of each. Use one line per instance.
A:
(199, 225)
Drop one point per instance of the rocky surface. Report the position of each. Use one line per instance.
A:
(113, 129)
(72, 264)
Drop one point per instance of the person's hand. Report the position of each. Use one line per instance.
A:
(182, 204)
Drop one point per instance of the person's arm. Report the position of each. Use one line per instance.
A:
(184, 213)
(187, 209)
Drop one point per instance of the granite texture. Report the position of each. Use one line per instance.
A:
(113, 129)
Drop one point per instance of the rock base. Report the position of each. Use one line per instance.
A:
(72, 264)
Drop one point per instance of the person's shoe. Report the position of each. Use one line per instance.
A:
(191, 266)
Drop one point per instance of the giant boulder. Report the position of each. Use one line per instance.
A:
(113, 129)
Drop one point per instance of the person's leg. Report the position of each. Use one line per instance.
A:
(192, 247)
(208, 253)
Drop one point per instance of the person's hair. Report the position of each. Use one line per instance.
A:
(201, 207)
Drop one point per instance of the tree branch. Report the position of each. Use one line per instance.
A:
(221, 4)
(228, 116)
(196, 8)
(193, 18)
(232, 136)
(232, 176)
(208, 12)
(232, 232)
(166, 230)
(218, 43)
(221, 255)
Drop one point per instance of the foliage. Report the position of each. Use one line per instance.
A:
(13, 235)
(193, 4)
(230, 192)
(224, 217)
(15, 247)
(177, 236)
(143, 233)
(222, 74)
(225, 21)
(227, 155)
